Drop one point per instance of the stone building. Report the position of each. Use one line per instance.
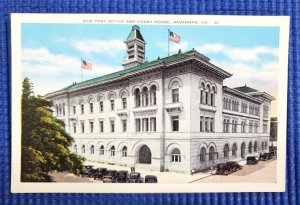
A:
(170, 114)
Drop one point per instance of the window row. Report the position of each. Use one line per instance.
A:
(253, 126)
(232, 104)
(207, 94)
(91, 150)
(145, 124)
(207, 124)
(145, 97)
(101, 126)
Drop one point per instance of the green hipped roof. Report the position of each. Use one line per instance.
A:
(245, 89)
(168, 59)
(135, 34)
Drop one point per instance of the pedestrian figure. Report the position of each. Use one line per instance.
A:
(211, 169)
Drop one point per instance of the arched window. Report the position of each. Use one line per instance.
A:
(56, 110)
(212, 96)
(234, 149)
(203, 154)
(202, 93)
(224, 125)
(255, 146)
(207, 95)
(227, 125)
(83, 149)
(64, 109)
(266, 145)
(250, 148)
(124, 100)
(112, 151)
(176, 157)
(92, 150)
(226, 151)
(145, 98)
(124, 151)
(211, 154)
(101, 103)
(153, 95)
(243, 150)
(91, 104)
(137, 96)
(101, 150)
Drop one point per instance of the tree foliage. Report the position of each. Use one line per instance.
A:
(45, 143)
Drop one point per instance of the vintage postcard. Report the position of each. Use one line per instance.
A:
(148, 103)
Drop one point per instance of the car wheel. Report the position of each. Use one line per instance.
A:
(241, 167)
(217, 172)
(226, 172)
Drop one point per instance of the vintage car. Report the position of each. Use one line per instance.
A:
(122, 176)
(265, 156)
(251, 160)
(110, 176)
(87, 171)
(223, 168)
(135, 178)
(100, 172)
(234, 166)
(150, 179)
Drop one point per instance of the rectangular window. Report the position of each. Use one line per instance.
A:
(146, 124)
(206, 124)
(112, 126)
(74, 127)
(175, 95)
(153, 124)
(82, 127)
(175, 123)
(137, 125)
(74, 109)
(101, 106)
(82, 108)
(124, 123)
(265, 128)
(91, 107)
(201, 124)
(112, 104)
(64, 111)
(91, 126)
(211, 126)
(101, 126)
(124, 103)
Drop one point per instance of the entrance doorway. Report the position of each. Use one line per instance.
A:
(145, 155)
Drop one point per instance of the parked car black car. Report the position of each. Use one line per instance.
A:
(135, 178)
(110, 176)
(265, 156)
(234, 166)
(122, 176)
(87, 171)
(100, 172)
(223, 168)
(252, 160)
(150, 179)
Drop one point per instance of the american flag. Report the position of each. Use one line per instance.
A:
(86, 65)
(174, 37)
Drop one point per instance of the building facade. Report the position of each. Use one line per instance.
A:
(170, 114)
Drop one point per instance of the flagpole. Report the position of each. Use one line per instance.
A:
(168, 42)
(81, 69)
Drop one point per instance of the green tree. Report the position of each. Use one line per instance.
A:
(45, 143)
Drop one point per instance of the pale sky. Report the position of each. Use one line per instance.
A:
(51, 53)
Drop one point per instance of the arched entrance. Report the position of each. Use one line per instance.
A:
(145, 155)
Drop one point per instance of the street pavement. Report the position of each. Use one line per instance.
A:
(264, 171)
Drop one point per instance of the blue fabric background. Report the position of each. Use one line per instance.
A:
(220, 7)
